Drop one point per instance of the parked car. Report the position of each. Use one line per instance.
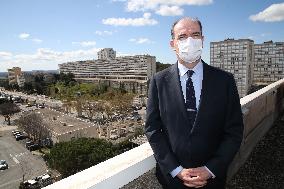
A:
(41, 106)
(31, 184)
(3, 165)
(44, 180)
(29, 143)
(47, 142)
(19, 137)
(16, 133)
(34, 147)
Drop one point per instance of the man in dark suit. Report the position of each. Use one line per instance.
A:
(194, 122)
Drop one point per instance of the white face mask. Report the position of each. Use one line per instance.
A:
(189, 49)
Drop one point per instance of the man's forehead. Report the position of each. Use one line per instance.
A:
(185, 26)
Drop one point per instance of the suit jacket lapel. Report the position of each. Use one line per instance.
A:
(174, 84)
(204, 94)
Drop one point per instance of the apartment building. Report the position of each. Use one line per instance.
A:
(106, 53)
(236, 57)
(15, 76)
(268, 62)
(129, 72)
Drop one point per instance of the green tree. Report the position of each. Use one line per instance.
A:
(67, 79)
(4, 83)
(160, 66)
(28, 87)
(76, 155)
(7, 110)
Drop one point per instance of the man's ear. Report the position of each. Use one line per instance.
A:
(172, 44)
(202, 41)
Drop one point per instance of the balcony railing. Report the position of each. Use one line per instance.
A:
(260, 110)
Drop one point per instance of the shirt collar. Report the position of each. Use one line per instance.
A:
(197, 69)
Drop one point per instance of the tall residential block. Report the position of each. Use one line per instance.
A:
(236, 57)
(106, 53)
(129, 72)
(268, 62)
(15, 76)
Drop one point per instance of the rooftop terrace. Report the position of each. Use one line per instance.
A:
(134, 168)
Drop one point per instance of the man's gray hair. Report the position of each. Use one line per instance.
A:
(185, 18)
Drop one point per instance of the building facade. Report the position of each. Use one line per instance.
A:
(268, 62)
(251, 64)
(129, 72)
(236, 57)
(106, 53)
(15, 76)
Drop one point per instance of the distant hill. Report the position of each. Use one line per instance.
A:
(43, 71)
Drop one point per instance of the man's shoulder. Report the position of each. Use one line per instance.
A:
(165, 72)
(218, 71)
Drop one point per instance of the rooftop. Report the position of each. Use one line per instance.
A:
(131, 169)
(60, 123)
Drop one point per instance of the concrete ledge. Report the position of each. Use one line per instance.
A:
(270, 88)
(113, 173)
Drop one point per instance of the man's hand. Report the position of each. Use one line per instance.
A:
(194, 177)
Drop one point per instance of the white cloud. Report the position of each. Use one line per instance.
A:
(165, 10)
(144, 5)
(27, 36)
(265, 34)
(141, 40)
(274, 13)
(143, 21)
(24, 36)
(103, 33)
(85, 43)
(5, 55)
(120, 54)
(46, 58)
(44, 54)
(36, 40)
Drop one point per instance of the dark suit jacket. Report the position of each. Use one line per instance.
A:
(214, 138)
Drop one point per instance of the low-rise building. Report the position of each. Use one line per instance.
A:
(63, 127)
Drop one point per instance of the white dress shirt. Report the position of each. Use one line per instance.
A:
(197, 78)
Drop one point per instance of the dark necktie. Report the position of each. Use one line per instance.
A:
(190, 97)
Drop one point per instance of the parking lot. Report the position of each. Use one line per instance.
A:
(21, 161)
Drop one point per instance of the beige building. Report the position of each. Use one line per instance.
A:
(106, 53)
(64, 128)
(236, 57)
(15, 76)
(268, 62)
(129, 72)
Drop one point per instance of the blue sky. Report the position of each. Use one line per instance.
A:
(40, 34)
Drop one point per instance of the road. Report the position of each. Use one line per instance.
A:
(20, 160)
(38, 98)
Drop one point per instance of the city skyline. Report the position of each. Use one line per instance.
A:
(39, 35)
